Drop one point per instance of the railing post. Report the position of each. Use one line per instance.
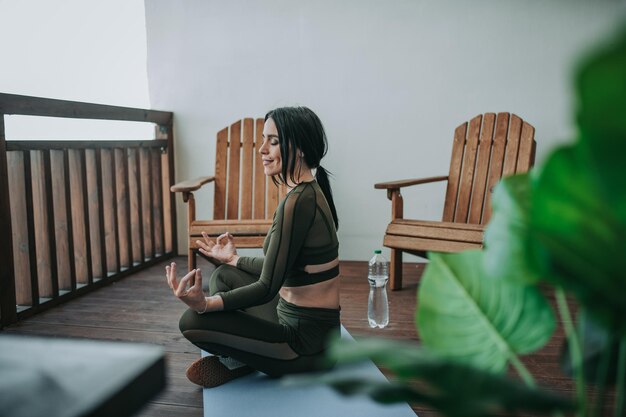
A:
(7, 283)
(170, 147)
(166, 131)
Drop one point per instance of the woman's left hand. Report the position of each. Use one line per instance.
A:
(192, 295)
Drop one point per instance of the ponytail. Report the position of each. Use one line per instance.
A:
(321, 176)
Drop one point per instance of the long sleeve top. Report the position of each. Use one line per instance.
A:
(302, 233)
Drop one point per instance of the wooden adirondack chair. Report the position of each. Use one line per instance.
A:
(484, 149)
(244, 198)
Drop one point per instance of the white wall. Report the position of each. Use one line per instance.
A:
(80, 50)
(389, 79)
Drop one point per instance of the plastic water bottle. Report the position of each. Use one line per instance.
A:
(377, 306)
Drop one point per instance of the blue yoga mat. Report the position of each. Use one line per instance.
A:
(260, 396)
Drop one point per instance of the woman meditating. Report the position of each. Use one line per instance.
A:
(275, 313)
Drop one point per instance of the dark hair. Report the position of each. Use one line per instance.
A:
(300, 130)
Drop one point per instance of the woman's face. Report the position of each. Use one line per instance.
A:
(270, 149)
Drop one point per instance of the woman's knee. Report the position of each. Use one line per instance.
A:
(220, 279)
(188, 321)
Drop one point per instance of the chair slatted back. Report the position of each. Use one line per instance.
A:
(242, 191)
(484, 150)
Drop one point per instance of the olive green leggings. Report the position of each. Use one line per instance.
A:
(276, 338)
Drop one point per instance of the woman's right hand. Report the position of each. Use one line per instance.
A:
(222, 250)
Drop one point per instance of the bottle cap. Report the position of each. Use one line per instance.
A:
(378, 251)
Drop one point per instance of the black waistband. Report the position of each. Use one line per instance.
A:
(301, 278)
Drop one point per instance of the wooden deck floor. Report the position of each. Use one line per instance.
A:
(140, 308)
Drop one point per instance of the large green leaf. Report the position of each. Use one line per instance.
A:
(576, 239)
(601, 91)
(505, 237)
(456, 390)
(599, 352)
(465, 314)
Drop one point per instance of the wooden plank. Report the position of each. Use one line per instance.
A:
(95, 241)
(80, 216)
(59, 145)
(127, 237)
(247, 168)
(438, 233)
(168, 236)
(120, 172)
(395, 270)
(157, 203)
(51, 224)
(19, 227)
(497, 160)
(260, 179)
(109, 209)
(59, 216)
(7, 267)
(173, 242)
(467, 172)
(37, 106)
(136, 214)
(456, 164)
(446, 225)
(512, 146)
(482, 168)
(90, 227)
(226, 223)
(259, 227)
(234, 158)
(221, 165)
(151, 205)
(272, 197)
(146, 206)
(30, 227)
(419, 244)
(240, 241)
(526, 158)
(40, 223)
(395, 261)
(68, 216)
(96, 212)
(115, 201)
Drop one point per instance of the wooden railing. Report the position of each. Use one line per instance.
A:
(75, 215)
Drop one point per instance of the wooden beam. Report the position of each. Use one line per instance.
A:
(52, 244)
(36, 145)
(38, 106)
(70, 222)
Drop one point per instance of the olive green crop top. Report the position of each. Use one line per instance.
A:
(302, 233)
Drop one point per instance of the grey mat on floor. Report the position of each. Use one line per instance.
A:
(260, 396)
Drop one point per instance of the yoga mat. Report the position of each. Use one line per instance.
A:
(260, 396)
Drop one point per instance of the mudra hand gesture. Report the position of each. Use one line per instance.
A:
(192, 295)
(222, 250)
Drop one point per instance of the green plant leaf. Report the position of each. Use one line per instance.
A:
(456, 390)
(575, 238)
(601, 91)
(505, 236)
(465, 314)
(598, 345)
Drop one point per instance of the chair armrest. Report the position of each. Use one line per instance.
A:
(190, 185)
(394, 185)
